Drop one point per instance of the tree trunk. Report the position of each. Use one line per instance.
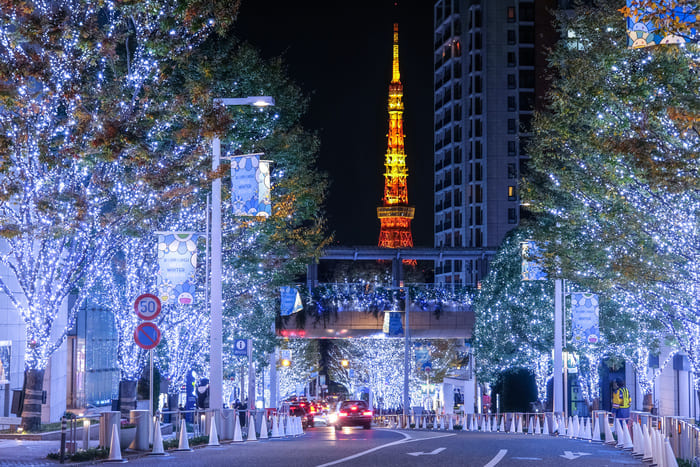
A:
(127, 397)
(31, 408)
(647, 403)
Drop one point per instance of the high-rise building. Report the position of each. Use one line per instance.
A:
(395, 214)
(489, 56)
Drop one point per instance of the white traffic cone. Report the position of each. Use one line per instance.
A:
(530, 426)
(555, 425)
(300, 426)
(251, 428)
(638, 441)
(670, 457)
(620, 434)
(465, 424)
(648, 447)
(474, 426)
(115, 449)
(588, 433)
(595, 436)
(519, 424)
(570, 428)
(275, 427)
(577, 427)
(656, 449)
(538, 428)
(450, 425)
(183, 442)
(237, 431)
(627, 439)
(545, 427)
(608, 433)
(502, 427)
(157, 441)
(263, 427)
(511, 428)
(213, 434)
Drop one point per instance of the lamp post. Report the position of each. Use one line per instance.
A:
(216, 324)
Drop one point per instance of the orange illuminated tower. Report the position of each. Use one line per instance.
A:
(395, 214)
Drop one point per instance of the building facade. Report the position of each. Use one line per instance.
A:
(488, 65)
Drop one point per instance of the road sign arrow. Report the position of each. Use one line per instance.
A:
(574, 455)
(437, 451)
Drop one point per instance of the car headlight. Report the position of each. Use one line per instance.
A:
(332, 418)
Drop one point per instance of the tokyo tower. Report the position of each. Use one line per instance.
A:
(395, 214)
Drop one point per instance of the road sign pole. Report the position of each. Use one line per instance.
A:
(150, 400)
(251, 377)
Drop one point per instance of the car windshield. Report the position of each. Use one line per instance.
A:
(348, 405)
(296, 411)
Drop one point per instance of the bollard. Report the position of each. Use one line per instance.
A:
(140, 419)
(86, 434)
(63, 440)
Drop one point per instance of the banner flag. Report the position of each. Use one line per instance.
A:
(290, 301)
(584, 317)
(392, 324)
(421, 354)
(177, 264)
(250, 186)
(645, 34)
(531, 269)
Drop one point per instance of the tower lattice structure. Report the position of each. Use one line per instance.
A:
(395, 214)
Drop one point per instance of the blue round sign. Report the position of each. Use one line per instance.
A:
(147, 335)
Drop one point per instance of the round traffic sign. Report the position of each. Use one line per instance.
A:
(147, 335)
(147, 306)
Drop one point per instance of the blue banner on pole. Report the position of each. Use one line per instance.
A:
(584, 317)
(532, 269)
(646, 33)
(177, 263)
(392, 324)
(290, 301)
(250, 186)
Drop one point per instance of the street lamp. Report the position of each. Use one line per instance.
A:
(216, 327)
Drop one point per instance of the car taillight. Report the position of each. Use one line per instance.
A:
(353, 408)
(343, 414)
(367, 412)
(313, 410)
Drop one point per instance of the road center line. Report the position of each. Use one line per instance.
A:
(501, 454)
(406, 438)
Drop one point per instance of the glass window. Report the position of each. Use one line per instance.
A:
(511, 37)
(511, 104)
(512, 171)
(527, 12)
(511, 81)
(511, 58)
(512, 216)
(512, 194)
(511, 126)
(511, 14)
(526, 34)
(527, 78)
(527, 56)
(511, 148)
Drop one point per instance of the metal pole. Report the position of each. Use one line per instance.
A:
(150, 397)
(406, 351)
(557, 383)
(251, 378)
(215, 336)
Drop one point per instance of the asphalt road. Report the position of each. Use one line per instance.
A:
(323, 446)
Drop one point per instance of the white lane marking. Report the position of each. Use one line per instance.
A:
(428, 438)
(406, 438)
(527, 458)
(573, 455)
(437, 451)
(501, 454)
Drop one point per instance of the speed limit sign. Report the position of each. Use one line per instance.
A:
(147, 306)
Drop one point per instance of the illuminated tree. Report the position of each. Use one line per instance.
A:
(91, 144)
(514, 318)
(613, 174)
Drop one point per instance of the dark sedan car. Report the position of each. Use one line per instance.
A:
(307, 419)
(353, 413)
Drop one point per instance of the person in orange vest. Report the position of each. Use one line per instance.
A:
(621, 400)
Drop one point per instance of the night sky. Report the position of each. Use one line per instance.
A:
(340, 54)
